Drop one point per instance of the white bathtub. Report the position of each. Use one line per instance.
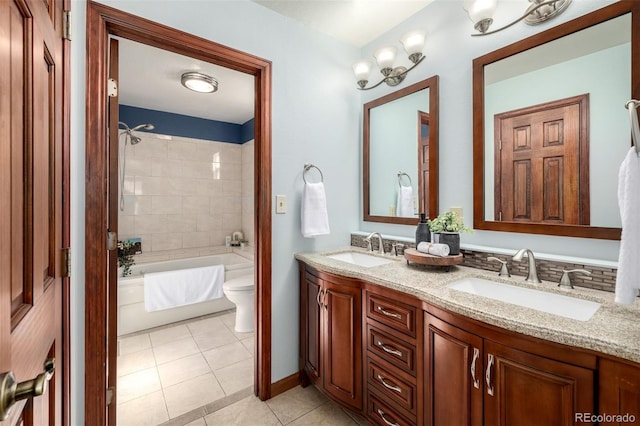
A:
(131, 313)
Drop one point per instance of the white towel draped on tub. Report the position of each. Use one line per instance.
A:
(164, 290)
(628, 276)
(315, 219)
(404, 206)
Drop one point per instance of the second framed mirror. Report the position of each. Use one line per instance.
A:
(400, 154)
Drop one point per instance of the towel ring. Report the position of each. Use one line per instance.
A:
(309, 166)
(632, 106)
(400, 174)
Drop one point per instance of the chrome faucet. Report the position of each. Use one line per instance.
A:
(565, 281)
(380, 243)
(532, 275)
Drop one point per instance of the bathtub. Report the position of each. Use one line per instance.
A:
(131, 313)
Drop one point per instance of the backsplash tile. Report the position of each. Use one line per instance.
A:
(600, 279)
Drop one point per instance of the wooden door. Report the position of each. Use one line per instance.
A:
(31, 138)
(542, 163)
(310, 322)
(342, 343)
(527, 389)
(618, 392)
(454, 373)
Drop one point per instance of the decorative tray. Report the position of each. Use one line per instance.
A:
(413, 255)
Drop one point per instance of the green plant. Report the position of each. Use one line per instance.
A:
(125, 258)
(448, 222)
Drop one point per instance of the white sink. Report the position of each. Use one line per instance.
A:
(360, 259)
(557, 304)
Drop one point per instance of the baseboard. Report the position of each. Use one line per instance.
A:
(285, 384)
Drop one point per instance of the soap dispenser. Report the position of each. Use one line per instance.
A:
(422, 232)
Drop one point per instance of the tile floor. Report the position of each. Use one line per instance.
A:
(200, 373)
(166, 372)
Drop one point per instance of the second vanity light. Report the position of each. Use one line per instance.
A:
(413, 43)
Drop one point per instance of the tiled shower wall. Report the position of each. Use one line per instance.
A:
(185, 194)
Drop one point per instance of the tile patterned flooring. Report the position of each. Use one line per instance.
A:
(200, 373)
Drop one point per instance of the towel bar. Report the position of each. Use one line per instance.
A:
(632, 106)
(309, 166)
(400, 174)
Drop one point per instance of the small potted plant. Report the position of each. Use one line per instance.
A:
(125, 257)
(447, 226)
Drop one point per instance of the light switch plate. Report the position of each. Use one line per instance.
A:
(281, 204)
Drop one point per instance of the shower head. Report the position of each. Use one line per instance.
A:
(134, 140)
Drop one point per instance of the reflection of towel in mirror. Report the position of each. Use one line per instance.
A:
(315, 219)
(441, 250)
(404, 206)
(628, 276)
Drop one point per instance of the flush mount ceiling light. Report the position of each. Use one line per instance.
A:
(413, 43)
(539, 11)
(199, 82)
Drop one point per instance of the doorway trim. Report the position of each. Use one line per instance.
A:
(103, 21)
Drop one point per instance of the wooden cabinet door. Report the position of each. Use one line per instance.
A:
(312, 354)
(619, 392)
(526, 389)
(453, 367)
(31, 135)
(342, 343)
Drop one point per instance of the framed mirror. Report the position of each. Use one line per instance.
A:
(550, 128)
(400, 154)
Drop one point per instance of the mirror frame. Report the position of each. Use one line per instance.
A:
(593, 18)
(430, 83)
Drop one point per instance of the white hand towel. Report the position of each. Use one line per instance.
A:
(315, 219)
(628, 276)
(441, 250)
(404, 206)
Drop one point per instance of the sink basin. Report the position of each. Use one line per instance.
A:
(557, 304)
(360, 259)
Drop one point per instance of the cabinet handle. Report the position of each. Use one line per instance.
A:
(384, 419)
(488, 375)
(324, 296)
(388, 386)
(476, 355)
(387, 350)
(318, 297)
(389, 314)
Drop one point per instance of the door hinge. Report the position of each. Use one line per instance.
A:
(66, 25)
(112, 240)
(112, 88)
(65, 262)
(111, 395)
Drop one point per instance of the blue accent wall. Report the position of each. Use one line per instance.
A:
(168, 123)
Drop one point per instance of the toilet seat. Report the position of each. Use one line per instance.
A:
(244, 282)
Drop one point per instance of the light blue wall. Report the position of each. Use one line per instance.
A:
(315, 119)
(449, 53)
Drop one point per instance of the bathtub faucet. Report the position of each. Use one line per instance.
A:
(237, 236)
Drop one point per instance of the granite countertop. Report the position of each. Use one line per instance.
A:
(614, 329)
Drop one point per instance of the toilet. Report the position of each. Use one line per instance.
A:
(240, 291)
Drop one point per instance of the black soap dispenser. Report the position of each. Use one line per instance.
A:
(422, 232)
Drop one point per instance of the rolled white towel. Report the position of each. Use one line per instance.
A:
(441, 250)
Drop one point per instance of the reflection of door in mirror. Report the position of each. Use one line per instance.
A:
(423, 160)
(542, 163)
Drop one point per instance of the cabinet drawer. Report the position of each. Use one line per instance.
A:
(395, 351)
(402, 392)
(399, 316)
(380, 414)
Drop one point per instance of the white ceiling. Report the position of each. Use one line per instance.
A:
(150, 77)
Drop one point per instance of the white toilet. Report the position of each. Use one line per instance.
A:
(240, 291)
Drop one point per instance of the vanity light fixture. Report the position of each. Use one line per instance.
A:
(481, 13)
(199, 82)
(413, 43)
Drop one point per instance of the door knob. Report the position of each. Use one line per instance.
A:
(12, 391)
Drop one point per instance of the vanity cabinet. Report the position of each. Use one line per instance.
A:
(619, 392)
(331, 336)
(472, 379)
